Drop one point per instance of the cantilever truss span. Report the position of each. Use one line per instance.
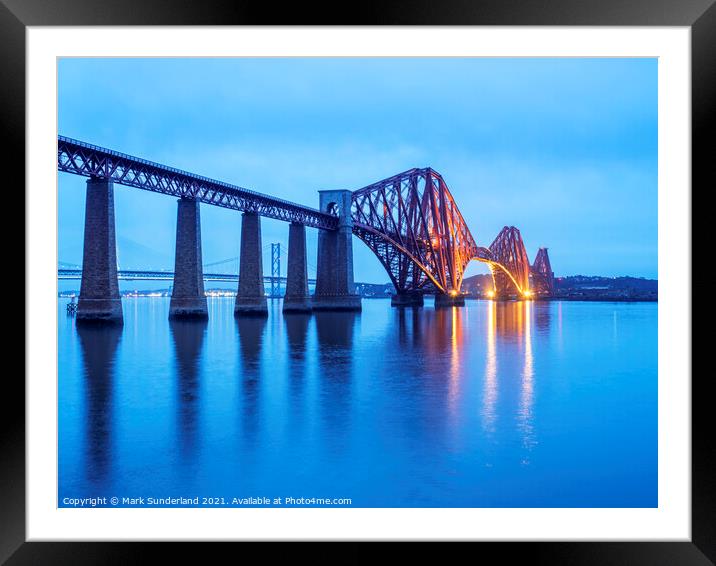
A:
(412, 223)
(512, 268)
(542, 274)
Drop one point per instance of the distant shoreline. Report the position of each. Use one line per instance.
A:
(557, 299)
(603, 299)
(383, 298)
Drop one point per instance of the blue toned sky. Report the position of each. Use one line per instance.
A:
(564, 149)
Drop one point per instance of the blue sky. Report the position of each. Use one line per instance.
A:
(564, 149)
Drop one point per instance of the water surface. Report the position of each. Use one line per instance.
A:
(516, 404)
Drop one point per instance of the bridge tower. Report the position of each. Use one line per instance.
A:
(99, 291)
(276, 270)
(541, 274)
(335, 288)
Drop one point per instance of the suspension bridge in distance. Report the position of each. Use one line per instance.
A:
(275, 281)
(410, 221)
(147, 275)
(68, 271)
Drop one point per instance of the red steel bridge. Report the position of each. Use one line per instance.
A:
(410, 221)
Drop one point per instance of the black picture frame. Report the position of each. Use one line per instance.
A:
(699, 15)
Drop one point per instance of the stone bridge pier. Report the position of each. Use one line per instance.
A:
(335, 288)
(452, 299)
(250, 297)
(99, 291)
(188, 299)
(297, 298)
(407, 299)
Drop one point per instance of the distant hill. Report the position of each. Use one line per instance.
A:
(476, 284)
(595, 281)
(577, 282)
(583, 287)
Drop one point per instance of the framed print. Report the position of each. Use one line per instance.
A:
(422, 276)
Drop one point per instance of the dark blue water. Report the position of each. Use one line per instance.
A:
(519, 404)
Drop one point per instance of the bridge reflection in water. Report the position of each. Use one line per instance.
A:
(99, 348)
(391, 407)
(188, 340)
(452, 341)
(251, 339)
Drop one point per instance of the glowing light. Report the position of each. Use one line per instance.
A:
(490, 389)
(453, 293)
(525, 416)
(490, 294)
(527, 293)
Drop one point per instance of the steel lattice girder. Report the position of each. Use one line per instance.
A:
(511, 266)
(541, 272)
(412, 223)
(80, 158)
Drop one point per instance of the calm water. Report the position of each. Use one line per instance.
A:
(492, 405)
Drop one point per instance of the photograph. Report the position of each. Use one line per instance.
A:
(357, 282)
(414, 275)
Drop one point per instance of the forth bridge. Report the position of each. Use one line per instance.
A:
(410, 221)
